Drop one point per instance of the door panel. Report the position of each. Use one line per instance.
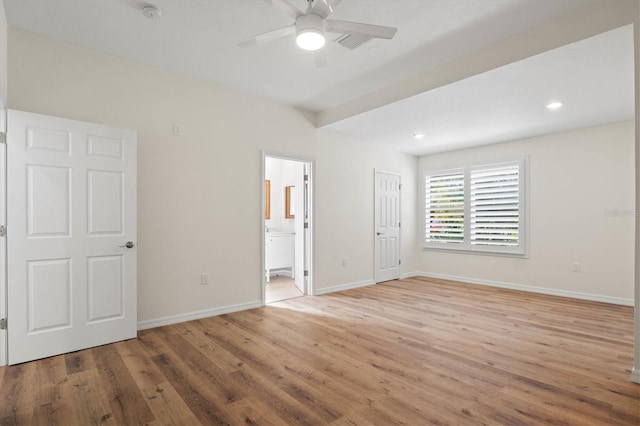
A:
(71, 209)
(48, 201)
(105, 204)
(48, 294)
(387, 226)
(105, 284)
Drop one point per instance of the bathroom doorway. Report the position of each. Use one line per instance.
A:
(288, 230)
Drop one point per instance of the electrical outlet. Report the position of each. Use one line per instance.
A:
(177, 129)
(344, 261)
(575, 267)
(204, 278)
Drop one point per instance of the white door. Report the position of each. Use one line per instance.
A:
(3, 252)
(387, 226)
(299, 226)
(71, 213)
(3, 129)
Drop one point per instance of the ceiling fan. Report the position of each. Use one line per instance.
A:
(310, 26)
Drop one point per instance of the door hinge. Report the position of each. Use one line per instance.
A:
(3, 231)
(399, 261)
(306, 225)
(3, 137)
(399, 224)
(3, 324)
(306, 273)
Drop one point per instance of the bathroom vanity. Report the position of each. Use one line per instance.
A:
(279, 249)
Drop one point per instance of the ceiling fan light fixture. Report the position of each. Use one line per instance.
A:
(310, 32)
(310, 40)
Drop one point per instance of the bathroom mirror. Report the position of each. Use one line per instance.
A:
(267, 199)
(288, 202)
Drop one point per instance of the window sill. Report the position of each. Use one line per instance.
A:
(477, 252)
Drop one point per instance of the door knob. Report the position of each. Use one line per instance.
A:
(378, 233)
(129, 244)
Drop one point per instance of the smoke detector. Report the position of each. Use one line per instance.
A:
(152, 12)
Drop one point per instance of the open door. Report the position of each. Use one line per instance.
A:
(299, 252)
(71, 235)
(3, 173)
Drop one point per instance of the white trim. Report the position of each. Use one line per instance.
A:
(3, 182)
(190, 316)
(343, 287)
(530, 289)
(635, 371)
(411, 275)
(3, 253)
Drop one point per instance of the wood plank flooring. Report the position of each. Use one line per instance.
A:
(414, 351)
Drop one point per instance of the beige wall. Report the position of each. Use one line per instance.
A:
(349, 234)
(581, 209)
(199, 205)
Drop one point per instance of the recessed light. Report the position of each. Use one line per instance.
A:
(554, 105)
(418, 135)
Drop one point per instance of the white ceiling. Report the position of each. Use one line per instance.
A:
(197, 38)
(593, 78)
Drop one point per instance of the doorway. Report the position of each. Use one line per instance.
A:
(287, 230)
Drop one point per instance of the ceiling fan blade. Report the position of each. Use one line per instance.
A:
(286, 7)
(321, 58)
(347, 27)
(268, 36)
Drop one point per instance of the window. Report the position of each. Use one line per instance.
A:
(477, 208)
(445, 208)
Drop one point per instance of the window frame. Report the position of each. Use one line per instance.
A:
(521, 250)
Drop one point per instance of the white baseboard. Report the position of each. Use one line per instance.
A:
(635, 376)
(528, 288)
(411, 274)
(341, 287)
(174, 319)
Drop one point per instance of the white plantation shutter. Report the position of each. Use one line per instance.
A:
(444, 218)
(478, 208)
(495, 205)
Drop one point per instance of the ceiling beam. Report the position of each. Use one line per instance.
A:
(586, 23)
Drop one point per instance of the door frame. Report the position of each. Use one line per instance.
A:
(309, 257)
(375, 213)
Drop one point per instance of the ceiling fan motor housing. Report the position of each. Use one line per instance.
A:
(310, 22)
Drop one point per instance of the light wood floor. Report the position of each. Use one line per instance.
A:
(413, 351)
